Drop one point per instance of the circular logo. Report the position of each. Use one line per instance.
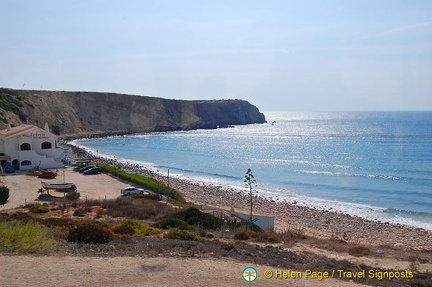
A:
(268, 274)
(250, 274)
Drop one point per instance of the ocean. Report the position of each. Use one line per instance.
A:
(376, 165)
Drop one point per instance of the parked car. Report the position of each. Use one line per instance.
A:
(131, 190)
(87, 167)
(8, 168)
(93, 170)
(48, 174)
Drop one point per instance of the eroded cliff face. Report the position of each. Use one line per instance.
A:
(80, 113)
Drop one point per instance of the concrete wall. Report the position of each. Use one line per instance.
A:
(263, 221)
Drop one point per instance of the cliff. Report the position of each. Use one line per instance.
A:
(80, 113)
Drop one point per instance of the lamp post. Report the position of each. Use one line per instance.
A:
(64, 181)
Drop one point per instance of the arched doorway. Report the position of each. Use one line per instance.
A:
(15, 164)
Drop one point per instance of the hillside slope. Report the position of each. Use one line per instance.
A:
(80, 113)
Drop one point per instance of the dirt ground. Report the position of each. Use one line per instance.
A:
(23, 188)
(123, 271)
(134, 271)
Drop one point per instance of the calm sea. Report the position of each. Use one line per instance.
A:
(377, 165)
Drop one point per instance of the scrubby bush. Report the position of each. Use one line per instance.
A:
(26, 236)
(39, 208)
(123, 230)
(89, 233)
(193, 216)
(72, 195)
(175, 223)
(4, 194)
(271, 238)
(59, 223)
(358, 251)
(81, 211)
(248, 225)
(231, 246)
(246, 235)
(136, 208)
(182, 235)
(139, 228)
(298, 235)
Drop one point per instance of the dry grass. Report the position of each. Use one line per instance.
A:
(122, 207)
(26, 236)
(358, 250)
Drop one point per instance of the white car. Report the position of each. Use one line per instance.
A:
(131, 190)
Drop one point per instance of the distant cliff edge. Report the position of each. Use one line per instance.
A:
(84, 113)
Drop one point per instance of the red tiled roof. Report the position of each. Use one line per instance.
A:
(17, 131)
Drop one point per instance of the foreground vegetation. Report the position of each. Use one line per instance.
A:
(144, 227)
(4, 194)
(26, 236)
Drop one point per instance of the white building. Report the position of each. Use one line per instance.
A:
(28, 146)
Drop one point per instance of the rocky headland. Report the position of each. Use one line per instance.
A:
(93, 113)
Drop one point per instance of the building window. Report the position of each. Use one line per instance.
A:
(26, 162)
(25, 146)
(46, 145)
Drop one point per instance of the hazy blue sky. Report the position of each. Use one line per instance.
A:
(303, 55)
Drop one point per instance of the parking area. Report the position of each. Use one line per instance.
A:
(24, 188)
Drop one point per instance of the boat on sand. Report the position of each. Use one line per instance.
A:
(59, 186)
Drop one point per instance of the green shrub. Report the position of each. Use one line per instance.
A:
(248, 225)
(358, 251)
(194, 216)
(298, 235)
(182, 235)
(143, 181)
(4, 194)
(39, 208)
(175, 223)
(26, 236)
(151, 196)
(123, 230)
(89, 233)
(176, 202)
(231, 246)
(139, 228)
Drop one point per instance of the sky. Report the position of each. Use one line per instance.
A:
(304, 55)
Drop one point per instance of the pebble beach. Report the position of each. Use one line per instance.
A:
(311, 221)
